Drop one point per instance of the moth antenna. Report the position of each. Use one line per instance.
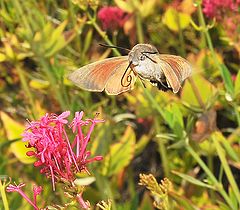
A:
(144, 53)
(112, 46)
(129, 77)
(150, 52)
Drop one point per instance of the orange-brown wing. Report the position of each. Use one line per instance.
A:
(175, 68)
(120, 81)
(94, 76)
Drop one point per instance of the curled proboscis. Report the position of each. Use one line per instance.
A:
(129, 77)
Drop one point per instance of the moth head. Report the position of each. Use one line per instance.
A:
(141, 52)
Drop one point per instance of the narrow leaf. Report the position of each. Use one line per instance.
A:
(228, 83)
(193, 180)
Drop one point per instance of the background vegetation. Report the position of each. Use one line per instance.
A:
(191, 138)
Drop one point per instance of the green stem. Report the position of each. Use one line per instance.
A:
(183, 53)
(222, 156)
(237, 113)
(211, 168)
(102, 34)
(213, 179)
(140, 35)
(203, 38)
(17, 5)
(3, 195)
(72, 17)
(153, 101)
(26, 88)
(163, 152)
(221, 67)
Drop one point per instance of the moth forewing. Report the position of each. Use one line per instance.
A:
(94, 76)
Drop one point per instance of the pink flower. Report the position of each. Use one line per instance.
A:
(17, 188)
(112, 18)
(217, 8)
(58, 157)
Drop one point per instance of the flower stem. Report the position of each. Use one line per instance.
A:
(3, 195)
(222, 156)
(163, 152)
(102, 34)
(183, 52)
(26, 88)
(213, 179)
(140, 35)
(27, 199)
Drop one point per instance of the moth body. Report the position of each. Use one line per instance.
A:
(144, 59)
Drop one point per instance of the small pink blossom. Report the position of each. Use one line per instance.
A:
(58, 157)
(18, 188)
(112, 18)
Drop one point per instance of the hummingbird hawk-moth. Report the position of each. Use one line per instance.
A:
(118, 74)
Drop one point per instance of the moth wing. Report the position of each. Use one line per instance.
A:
(94, 76)
(120, 81)
(175, 68)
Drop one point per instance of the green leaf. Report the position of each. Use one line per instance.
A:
(125, 5)
(39, 84)
(142, 143)
(120, 154)
(56, 41)
(237, 85)
(228, 83)
(14, 130)
(205, 88)
(233, 198)
(182, 201)
(58, 45)
(193, 180)
(87, 41)
(2, 57)
(226, 144)
(176, 20)
(173, 117)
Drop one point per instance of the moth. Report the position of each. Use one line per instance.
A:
(118, 74)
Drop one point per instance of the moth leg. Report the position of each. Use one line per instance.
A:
(167, 87)
(142, 82)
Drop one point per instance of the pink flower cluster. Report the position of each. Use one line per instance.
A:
(217, 8)
(59, 158)
(112, 18)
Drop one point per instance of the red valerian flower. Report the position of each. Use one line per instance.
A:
(217, 8)
(58, 157)
(112, 18)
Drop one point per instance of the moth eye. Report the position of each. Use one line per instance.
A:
(142, 57)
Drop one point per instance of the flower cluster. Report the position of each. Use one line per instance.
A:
(59, 158)
(112, 18)
(217, 8)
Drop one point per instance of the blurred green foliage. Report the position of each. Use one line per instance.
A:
(192, 138)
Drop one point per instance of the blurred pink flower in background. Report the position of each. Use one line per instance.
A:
(112, 18)
(216, 8)
(59, 158)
